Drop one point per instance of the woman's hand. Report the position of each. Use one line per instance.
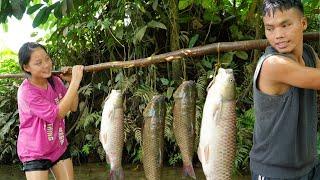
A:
(66, 73)
(77, 73)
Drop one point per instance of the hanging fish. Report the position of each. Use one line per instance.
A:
(216, 149)
(111, 133)
(153, 137)
(184, 118)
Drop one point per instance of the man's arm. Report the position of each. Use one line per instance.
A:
(283, 70)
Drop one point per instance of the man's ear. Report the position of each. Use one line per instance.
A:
(304, 23)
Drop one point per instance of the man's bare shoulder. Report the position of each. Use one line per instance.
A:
(285, 70)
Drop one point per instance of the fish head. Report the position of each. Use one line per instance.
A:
(155, 106)
(114, 99)
(225, 83)
(187, 88)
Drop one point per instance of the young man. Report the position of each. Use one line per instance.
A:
(285, 103)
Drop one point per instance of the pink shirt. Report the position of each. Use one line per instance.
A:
(41, 133)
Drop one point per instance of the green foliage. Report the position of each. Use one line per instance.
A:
(8, 107)
(245, 124)
(18, 8)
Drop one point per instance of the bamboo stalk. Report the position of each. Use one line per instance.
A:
(182, 53)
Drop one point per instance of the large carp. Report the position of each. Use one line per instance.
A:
(153, 137)
(216, 149)
(184, 118)
(111, 133)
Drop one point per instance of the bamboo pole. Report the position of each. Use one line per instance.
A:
(182, 53)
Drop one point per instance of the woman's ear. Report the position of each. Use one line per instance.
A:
(26, 68)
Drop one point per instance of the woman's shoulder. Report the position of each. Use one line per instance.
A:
(26, 90)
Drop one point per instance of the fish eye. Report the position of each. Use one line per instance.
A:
(231, 80)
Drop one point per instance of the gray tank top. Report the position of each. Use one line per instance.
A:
(285, 130)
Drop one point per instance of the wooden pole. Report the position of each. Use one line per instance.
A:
(175, 55)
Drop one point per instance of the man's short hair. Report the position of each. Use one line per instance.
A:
(270, 6)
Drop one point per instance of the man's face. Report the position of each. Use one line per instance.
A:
(284, 29)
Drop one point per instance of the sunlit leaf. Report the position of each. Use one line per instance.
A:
(169, 92)
(138, 37)
(184, 4)
(155, 24)
(242, 55)
(164, 81)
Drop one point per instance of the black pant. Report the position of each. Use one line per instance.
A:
(314, 174)
(44, 164)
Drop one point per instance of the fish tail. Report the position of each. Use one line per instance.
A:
(117, 174)
(188, 171)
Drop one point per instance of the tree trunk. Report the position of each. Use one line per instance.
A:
(174, 40)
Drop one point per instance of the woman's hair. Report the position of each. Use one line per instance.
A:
(25, 53)
(270, 6)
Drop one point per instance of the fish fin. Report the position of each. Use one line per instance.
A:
(160, 157)
(217, 111)
(206, 153)
(107, 158)
(103, 138)
(200, 154)
(117, 174)
(189, 171)
(210, 84)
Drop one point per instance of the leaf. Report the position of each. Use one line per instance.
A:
(169, 92)
(184, 4)
(242, 55)
(32, 9)
(211, 16)
(227, 58)
(39, 17)
(207, 4)
(119, 33)
(138, 37)
(193, 40)
(155, 24)
(206, 64)
(58, 11)
(106, 23)
(53, 6)
(18, 8)
(155, 5)
(164, 81)
(119, 77)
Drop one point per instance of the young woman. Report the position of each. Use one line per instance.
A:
(43, 102)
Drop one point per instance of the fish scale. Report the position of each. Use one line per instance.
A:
(217, 145)
(184, 116)
(153, 137)
(225, 154)
(112, 134)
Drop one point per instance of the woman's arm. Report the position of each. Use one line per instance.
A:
(70, 101)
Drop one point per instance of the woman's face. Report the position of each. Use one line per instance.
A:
(40, 64)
